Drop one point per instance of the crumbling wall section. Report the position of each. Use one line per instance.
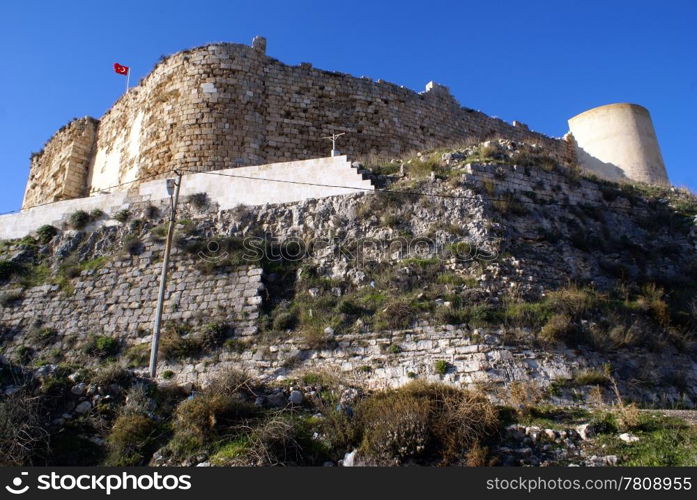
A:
(60, 170)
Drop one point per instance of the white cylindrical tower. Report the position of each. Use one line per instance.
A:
(618, 142)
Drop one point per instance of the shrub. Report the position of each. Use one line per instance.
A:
(199, 200)
(102, 346)
(79, 220)
(651, 301)
(122, 216)
(43, 335)
(524, 396)
(133, 245)
(168, 374)
(284, 321)
(394, 349)
(199, 420)
(407, 422)
(151, 212)
(237, 345)
(282, 440)
(46, 233)
(397, 315)
(132, 441)
(22, 432)
(508, 203)
(441, 367)
(138, 355)
(592, 377)
(173, 345)
(395, 425)
(136, 225)
(315, 338)
(213, 335)
(8, 269)
(111, 373)
(572, 300)
(558, 328)
(24, 354)
(9, 299)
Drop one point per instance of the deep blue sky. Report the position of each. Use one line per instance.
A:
(533, 61)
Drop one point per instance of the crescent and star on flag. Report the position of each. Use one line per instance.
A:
(123, 70)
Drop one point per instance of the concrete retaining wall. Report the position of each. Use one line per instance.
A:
(227, 192)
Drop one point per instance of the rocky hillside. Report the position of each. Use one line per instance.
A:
(487, 267)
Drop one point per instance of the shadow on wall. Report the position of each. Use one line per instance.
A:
(607, 171)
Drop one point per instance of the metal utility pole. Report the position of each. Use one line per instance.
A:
(333, 138)
(172, 185)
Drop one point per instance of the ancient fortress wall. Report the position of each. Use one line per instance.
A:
(317, 178)
(618, 142)
(228, 105)
(60, 170)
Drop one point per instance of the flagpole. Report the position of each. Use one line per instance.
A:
(128, 78)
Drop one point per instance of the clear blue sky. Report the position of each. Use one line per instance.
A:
(533, 61)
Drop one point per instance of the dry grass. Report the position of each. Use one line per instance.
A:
(420, 418)
(558, 328)
(524, 396)
(651, 300)
(131, 440)
(22, 433)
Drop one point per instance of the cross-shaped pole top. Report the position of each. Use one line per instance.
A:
(333, 138)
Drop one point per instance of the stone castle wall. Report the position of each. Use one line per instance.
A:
(119, 300)
(60, 170)
(228, 105)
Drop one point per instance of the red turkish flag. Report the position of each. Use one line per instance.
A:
(121, 70)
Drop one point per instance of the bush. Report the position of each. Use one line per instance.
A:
(524, 396)
(102, 346)
(122, 216)
(282, 440)
(111, 373)
(213, 335)
(572, 300)
(417, 418)
(9, 299)
(132, 441)
(651, 301)
(558, 328)
(173, 346)
(199, 200)
(46, 233)
(284, 321)
(151, 212)
(508, 203)
(202, 419)
(8, 269)
(138, 355)
(22, 432)
(133, 245)
(79, 220)
(397, 315)
(441, 367)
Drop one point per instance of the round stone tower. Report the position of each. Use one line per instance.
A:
(618, 142)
